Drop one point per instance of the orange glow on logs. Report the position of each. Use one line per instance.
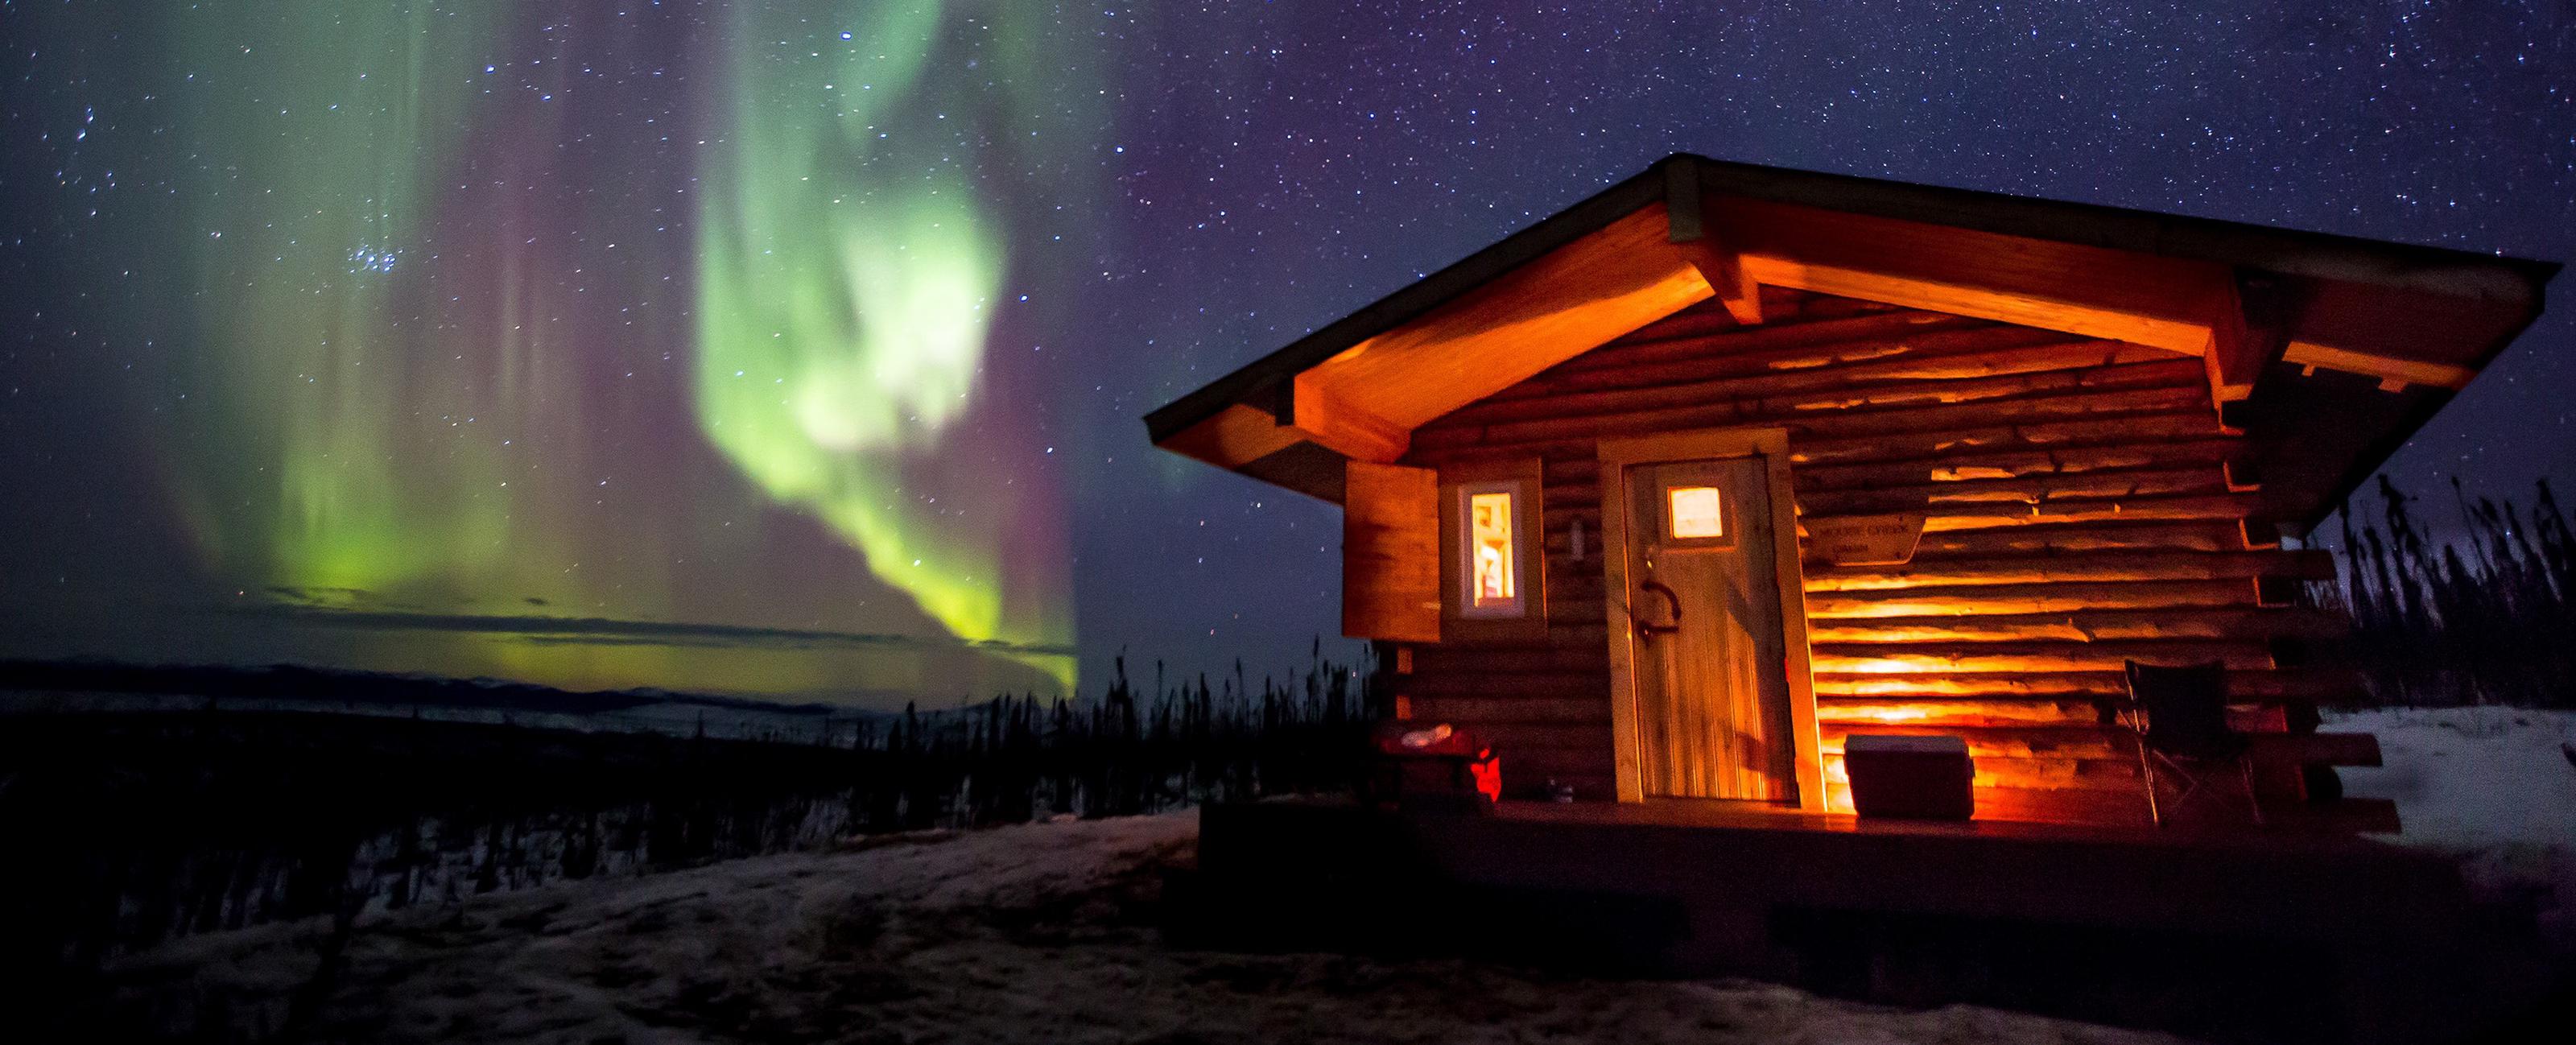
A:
(2055, 684)
(1884, 714)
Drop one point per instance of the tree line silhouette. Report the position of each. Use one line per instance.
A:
(132, 829)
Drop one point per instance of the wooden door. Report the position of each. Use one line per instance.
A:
(1712, 694)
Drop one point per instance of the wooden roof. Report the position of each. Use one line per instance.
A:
(2397, 328)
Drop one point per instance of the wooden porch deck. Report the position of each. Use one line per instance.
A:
(2276, 935)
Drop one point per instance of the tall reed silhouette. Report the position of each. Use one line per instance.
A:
(2486, 616)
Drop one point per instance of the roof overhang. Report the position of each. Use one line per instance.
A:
(2261, 306)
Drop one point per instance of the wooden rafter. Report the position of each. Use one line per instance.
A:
(1236, 436)
(1687, 228)
(2248, 330)
(1329, 418)
(2394, 373)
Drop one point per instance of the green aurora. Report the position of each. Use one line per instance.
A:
(315, 187)
(411, 388)
(842, 315)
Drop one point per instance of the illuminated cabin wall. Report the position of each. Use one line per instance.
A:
(2080, 513)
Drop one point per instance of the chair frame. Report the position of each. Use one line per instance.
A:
(2129, 712)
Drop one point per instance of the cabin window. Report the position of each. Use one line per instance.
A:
(1491, 578)
(1694, 512)
(1492, 550)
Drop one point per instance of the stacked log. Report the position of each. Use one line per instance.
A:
(2080, 513)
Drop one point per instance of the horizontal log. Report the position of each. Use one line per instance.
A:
(2188, 535)
(2017, 491)
(2113, 424)
(2087, 626)
(2062, 774)
(1928, 712)
(1698, 321)
(1973, 717)
(1826, 421)
(1484, 660)
(1784, 304)
(2307, 683)
(1936, 498)
(2019, 741)
(2194, 422)
(1667, 386)
(2098, 568)
(1969, 466)
(1585, 588)
(2194, 535)
(1573, 603)
(2018, 657)
(1511, 739)
(1448, 680)
(1585, 710)
(1580, 625)
(2053, 597)
(2231, 507)
(1719, 362)
(1655, 344)
(1923, 395)
(1954, 518)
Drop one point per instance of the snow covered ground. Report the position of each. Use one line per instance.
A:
(2491, 785)
(1022, 934)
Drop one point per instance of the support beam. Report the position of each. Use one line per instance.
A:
(2248, 331)
(1726, 278)
(2386, 368)
(1234, 437)
(1718, 266)
(1339, 425)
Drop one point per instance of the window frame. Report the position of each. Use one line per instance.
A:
(1525, 617)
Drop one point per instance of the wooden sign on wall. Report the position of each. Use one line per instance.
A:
(1864, 540)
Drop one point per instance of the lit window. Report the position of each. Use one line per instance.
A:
(1489, 536)
(1493, 581)
(1695, 512)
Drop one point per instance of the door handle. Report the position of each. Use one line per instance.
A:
(1649, 630)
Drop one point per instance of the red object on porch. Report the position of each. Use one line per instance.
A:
(1919, 777)
(1436, 762)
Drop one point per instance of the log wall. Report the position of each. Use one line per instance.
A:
(2081, 513)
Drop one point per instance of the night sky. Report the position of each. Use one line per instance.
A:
(797, 349)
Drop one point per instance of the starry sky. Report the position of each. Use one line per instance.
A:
(797, 349)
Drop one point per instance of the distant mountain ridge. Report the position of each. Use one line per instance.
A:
(377, 688)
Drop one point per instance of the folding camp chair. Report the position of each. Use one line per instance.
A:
(2179, 715)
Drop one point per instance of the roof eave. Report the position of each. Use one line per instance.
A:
(1413, 301)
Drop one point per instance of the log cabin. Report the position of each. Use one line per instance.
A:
(1675, 492)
